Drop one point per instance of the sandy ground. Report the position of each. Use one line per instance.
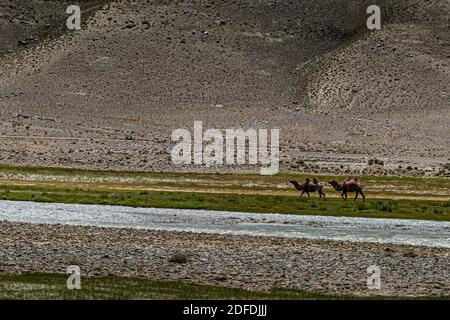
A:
(255, 263)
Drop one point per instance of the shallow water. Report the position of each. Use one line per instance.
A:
(395, 231)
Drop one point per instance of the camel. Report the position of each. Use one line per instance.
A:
(349, 185)
(309, 187)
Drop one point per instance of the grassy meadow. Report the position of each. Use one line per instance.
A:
(53, 286)
(386, 197)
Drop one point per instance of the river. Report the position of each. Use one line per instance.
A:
(395, 231)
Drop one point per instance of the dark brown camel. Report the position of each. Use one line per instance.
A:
(349, 185)
(309, 187)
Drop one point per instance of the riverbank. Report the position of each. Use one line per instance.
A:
(386, 197)
(249, 263)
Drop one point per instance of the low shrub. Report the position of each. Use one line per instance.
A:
(180, 258)
(376, 161)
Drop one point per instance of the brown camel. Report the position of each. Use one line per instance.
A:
(349, 185)
(309, 187)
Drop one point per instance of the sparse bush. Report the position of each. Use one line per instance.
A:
(376, 161)
(410, 254)
(179, 258)
(361, 206)
(382, 206)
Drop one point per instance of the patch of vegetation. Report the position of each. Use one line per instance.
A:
(410, 254)
(281, 177)
(225, 192)
(53, 286)
(180, 258)
(402, 209)
(383, 206)
(375, 161)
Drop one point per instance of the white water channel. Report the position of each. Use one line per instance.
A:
(395, 231)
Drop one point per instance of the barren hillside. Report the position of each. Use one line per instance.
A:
(109, 96)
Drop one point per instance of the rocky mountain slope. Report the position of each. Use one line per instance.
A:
(108, 96)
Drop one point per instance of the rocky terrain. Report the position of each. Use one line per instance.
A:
(255, 263)
(24, 23)
(109, 96)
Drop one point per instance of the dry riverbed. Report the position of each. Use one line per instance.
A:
(254, 263)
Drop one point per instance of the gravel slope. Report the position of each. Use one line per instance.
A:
(110, 95)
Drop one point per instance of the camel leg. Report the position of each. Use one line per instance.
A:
(356, 196)
(364, 198)
(302, 193)
(345, 196)
(309, 196)
(342, 195)
(320, 193)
